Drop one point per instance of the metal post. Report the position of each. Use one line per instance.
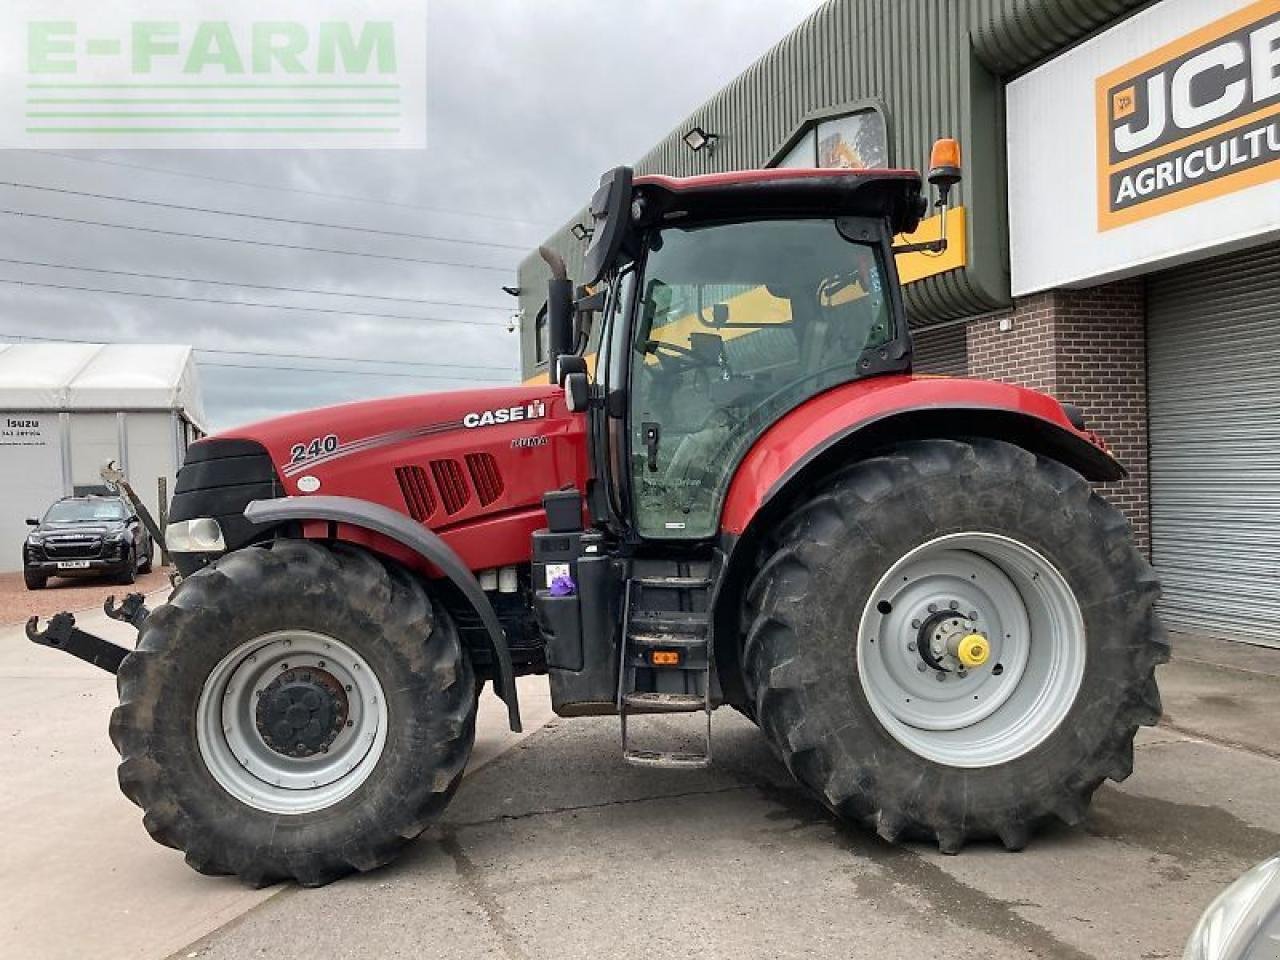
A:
(162, 485)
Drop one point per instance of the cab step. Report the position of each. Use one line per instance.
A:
(666, 610)
(664, 702)
(667, 761)
(673, 583)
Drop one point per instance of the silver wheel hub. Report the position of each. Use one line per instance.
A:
(291, 722)
(971, 649)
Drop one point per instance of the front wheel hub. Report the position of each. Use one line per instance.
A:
(301, 712)
(292, 721)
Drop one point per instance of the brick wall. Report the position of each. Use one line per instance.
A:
(1086, 347)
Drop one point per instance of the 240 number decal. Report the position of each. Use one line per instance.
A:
(316, 447)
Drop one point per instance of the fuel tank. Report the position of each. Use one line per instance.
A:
(471, 465)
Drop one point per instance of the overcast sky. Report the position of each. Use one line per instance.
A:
(528, 103)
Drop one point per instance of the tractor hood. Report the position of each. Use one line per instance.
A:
(339, 446)
(450, 461)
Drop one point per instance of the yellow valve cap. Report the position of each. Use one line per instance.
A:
(973, 650)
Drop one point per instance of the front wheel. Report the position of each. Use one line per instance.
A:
(955, 640)
(294, 712)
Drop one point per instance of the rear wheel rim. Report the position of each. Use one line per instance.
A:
(341, 722)
(962, 584)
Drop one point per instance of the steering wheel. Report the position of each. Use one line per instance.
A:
(676, 359)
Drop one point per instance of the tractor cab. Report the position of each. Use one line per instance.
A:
(720, 303)
(714, 306)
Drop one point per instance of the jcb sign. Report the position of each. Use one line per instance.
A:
(1195, 119)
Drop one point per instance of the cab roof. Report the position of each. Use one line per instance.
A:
(893, 194)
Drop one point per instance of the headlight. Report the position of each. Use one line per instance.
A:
(202, 535)
(1247, 910)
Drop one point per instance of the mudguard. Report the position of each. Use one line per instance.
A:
(376, 518)
(857, 418)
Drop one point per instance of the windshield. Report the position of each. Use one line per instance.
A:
(738, 323)
(85, 511)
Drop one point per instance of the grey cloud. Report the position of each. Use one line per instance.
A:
(528, 103)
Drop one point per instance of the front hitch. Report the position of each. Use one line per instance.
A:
(63, 634)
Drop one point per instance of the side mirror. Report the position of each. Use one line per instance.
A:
(610, 206)
(33, 521)
(577, 393)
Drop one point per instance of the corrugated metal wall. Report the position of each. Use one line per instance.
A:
(914, 58)
(1213, 354)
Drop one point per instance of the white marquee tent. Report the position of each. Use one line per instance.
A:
(65, 409)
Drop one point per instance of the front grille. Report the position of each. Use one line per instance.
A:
(73, 548)
(416, 492)
(485, 476)
(454, 492)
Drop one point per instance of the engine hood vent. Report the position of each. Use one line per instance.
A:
(454, 492)
(485, 477)
(417, 492)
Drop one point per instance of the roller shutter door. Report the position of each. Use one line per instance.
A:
(1214, 395)
(941, 350)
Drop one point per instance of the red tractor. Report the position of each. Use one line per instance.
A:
(732, 491)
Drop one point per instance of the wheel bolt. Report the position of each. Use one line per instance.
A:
(955, 604)
(351, 723)
(287, 643)
(921, 667)
(348, 688)
(933, 608)
(912, 646)
(973, 614)
(284, 666)
(915, 624)
(257, 693)
(941, 677)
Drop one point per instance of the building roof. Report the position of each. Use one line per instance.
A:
(38, 377)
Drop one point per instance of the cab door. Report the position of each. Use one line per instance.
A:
(733, 325)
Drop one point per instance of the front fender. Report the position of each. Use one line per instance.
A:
(378, 519)
(858, 418)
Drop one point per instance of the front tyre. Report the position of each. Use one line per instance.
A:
(955, 640)
(294, 712)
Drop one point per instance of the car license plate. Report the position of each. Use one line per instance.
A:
(73, 565)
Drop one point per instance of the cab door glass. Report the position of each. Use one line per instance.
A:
(736, 324)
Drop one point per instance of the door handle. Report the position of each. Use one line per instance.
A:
(652, 433)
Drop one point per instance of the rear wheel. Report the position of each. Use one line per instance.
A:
(294, 712)
(955, 640)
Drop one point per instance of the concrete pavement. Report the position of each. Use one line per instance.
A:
(79, 875)
(557, 850)
(554, 848)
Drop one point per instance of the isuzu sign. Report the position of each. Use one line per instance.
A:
(1195, 119)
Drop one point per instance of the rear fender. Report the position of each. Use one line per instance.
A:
(385, 522)
(859, 420)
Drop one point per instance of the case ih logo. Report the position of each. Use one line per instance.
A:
(1198, 118)
(533, 411)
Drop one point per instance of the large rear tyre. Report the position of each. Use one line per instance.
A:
(295, 712)
(955, 640)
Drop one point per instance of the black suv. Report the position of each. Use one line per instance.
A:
(86, 537)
